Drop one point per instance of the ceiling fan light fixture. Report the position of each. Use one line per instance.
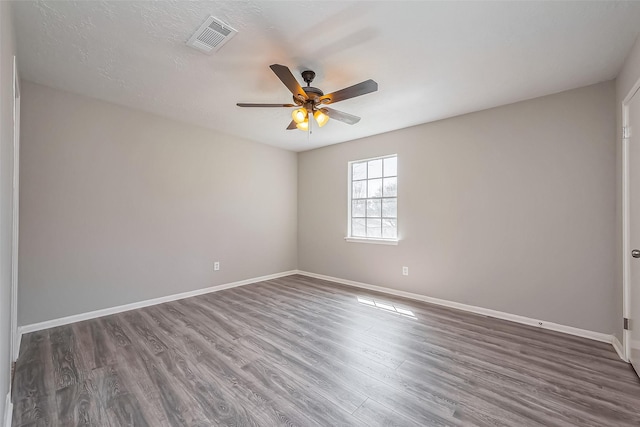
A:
(303, 126)
(299, 115)
(309, 100)
(321, 117)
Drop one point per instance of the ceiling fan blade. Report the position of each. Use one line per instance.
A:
(363, 88)
(347, 118)
(285, 76)
(292, 125)
(244, 104)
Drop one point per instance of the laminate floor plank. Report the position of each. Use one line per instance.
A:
(35, 411)
(78, 406)
(373, 414)
(142, 331)
(34, 375)
(114, 330)
(299, 351)
(97, 350)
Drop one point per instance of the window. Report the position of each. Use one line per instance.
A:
(373, 200)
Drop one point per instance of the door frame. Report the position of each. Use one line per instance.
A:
(15, 344)
(626, 238)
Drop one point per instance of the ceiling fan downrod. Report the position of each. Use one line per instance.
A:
(308, 76)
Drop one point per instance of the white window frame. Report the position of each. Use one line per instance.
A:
(375, 240)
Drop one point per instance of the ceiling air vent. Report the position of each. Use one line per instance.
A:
(211, 35)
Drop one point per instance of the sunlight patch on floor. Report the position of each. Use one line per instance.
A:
(386, 306)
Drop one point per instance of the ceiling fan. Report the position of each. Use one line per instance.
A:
(311, 100)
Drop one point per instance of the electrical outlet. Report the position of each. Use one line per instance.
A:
(216, 266)
(405, 271)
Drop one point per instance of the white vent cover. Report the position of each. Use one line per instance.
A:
(211, 35)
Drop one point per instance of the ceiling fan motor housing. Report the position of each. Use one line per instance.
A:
(312, 92)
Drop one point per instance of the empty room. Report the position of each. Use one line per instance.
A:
(319, 213)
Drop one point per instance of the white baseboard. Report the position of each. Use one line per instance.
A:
(597, 336)
(146, 303)
(617, 345)
(8, 411)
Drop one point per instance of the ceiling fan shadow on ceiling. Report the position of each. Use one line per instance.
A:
(311, 100)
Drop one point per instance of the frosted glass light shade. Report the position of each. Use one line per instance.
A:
(321, 117)
(299, 115)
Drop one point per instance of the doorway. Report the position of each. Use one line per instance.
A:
(631, 225)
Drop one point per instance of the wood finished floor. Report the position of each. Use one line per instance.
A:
(305, 352)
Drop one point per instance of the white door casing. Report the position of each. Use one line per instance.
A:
(631, 224)
(15, 345)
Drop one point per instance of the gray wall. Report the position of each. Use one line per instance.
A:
(511, 209)
(7, 50)
(118, 206)
(627, 77)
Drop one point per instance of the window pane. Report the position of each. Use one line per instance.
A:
(389, 228)
(373, 228)
(375, 188)
(375, 169)
(390, 208)
(374, 204)
(359, 189)
(358, 208)
(373, 208)
(390, 187)
(359, 171)
(357, 228)
(391, 166)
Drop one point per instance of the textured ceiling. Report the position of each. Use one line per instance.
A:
(431, 59)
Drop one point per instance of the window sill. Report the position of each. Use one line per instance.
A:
(393, 242)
